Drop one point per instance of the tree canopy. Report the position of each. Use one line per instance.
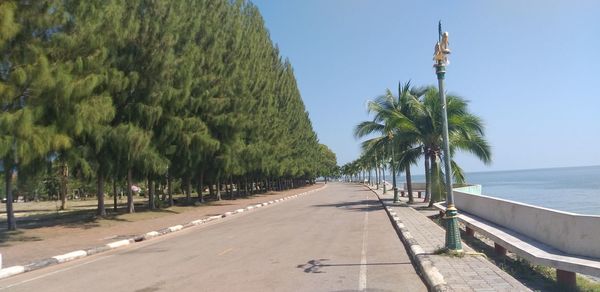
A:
(151, 91)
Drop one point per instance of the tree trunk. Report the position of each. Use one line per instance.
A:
(115, 195)
(383, 179)
(199, 191)
(10, 212)
(200, 187)
(130, 206)
(211, 190)
(155, 191)
(101, 211)
(427, 177)
(170, 189)
(377, 176)
(151, 194)
(218, 188)
(435, 180)
(409, 187)
(161, 191)
(64, 187)
(229, 188)
(188, 188)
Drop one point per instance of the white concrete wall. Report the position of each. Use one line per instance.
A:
(572, 233)
(471, 189)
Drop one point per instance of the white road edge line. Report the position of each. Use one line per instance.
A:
(55, 272)
(362, 276)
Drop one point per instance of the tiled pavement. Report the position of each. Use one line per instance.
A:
(469, 273)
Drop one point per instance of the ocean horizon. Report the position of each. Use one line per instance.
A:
(569, 189)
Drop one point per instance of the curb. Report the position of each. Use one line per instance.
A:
(70, 256)
(435, 280)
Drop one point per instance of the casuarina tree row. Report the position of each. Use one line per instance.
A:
(150, 90)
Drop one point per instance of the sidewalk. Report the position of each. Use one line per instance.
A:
(424, 237)
(50, 241)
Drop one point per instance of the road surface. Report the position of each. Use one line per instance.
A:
(338, 239)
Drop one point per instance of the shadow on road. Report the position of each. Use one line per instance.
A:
(314, 266)
(361, 206)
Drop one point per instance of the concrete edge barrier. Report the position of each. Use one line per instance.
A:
(40, 264)
(70, 256)
(151, 234)
(11, 271)
(119, 243)
(435, 280)
(175, 228)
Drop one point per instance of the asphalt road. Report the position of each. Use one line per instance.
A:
(338, 239)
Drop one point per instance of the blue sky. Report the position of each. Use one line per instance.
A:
(529, 68)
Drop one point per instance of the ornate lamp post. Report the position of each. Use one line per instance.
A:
(441, 60)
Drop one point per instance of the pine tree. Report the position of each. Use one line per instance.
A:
(26, 77)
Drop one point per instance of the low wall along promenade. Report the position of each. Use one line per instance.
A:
(571, 233)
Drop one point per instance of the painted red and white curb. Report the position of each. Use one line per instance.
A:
(70, 256)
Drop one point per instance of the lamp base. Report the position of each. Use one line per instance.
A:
(453, 242)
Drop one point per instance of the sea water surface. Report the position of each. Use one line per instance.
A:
(571, 189)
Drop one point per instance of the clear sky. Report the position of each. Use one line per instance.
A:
(531, 69)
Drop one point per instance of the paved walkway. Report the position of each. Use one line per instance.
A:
(469, 273)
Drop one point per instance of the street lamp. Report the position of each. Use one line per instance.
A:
(441, 60)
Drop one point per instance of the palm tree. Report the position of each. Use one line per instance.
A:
(466, 133)
(392, 122)
(411, 123)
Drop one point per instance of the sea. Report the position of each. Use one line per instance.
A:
(570, 189)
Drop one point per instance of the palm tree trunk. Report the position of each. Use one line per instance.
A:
(427, 177)
(100, 194)
(377, 175)
(436, 188)
(10, 213)
(130, 206)
(409, 185)
(383, 179)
